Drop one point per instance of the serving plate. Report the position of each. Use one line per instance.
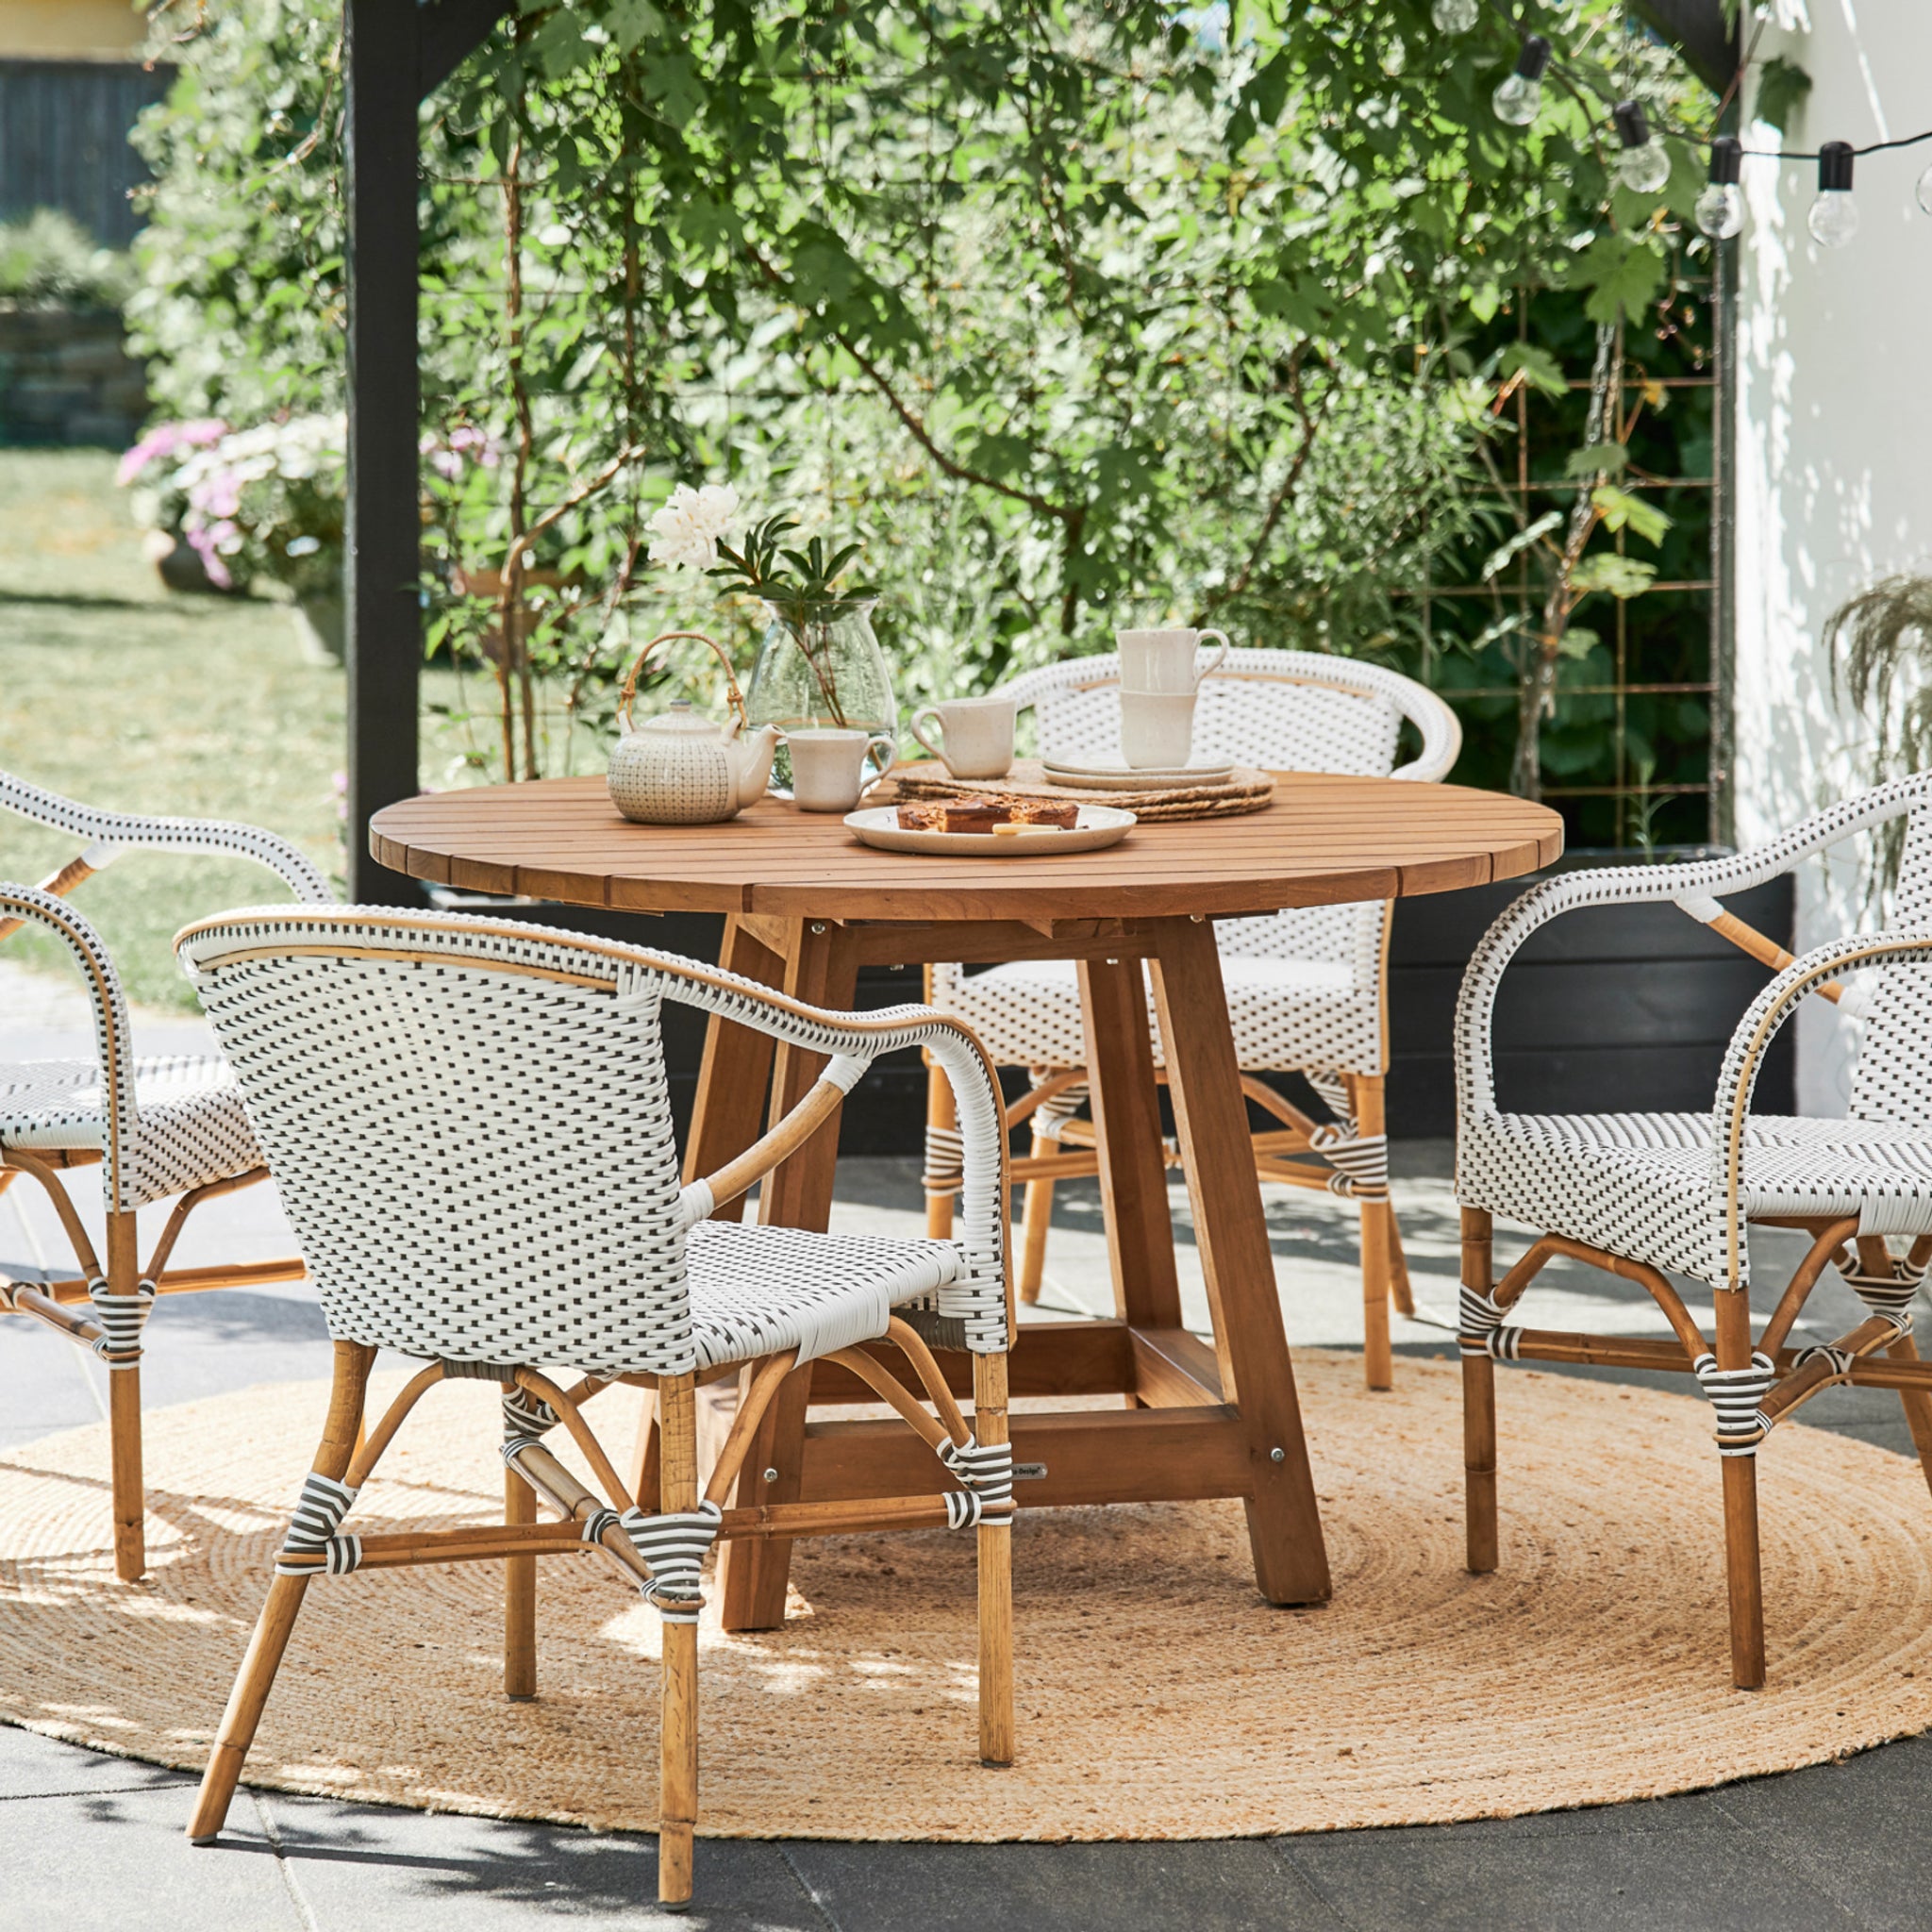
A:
(1098, 826)
(1138, 777)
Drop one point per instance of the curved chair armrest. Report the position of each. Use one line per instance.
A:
(1695, 887)
(851, 1042)
(1755, 1032)
(113, 1037)
(108, 833)
(1441, 733)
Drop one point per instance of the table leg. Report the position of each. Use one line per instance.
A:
(729, 1111)
(821, 967)
(1127, 1129)
(1210, 1114)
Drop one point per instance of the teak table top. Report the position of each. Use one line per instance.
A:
(1324, 840)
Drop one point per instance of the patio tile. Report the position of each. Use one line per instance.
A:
(1219, 1886)
(360, 1866)
(33, 1767)
(1855, 1830)
(46, 1385)
(116, 1861)
(1663, 1879)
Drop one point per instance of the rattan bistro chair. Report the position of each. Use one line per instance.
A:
(471, 1129)
(1305, 987)
(159, 1129)
(1638, 1194)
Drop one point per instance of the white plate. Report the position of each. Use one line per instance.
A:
(1098, 826)
(1137, 778)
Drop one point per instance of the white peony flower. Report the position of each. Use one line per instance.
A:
(687, 529)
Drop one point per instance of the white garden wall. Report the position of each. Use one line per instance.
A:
(1834, 449)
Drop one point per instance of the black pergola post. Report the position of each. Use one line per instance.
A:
(396, 52)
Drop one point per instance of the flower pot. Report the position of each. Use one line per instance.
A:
(179, 566)
(321, 628)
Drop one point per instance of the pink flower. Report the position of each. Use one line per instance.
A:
(167, 439)
(203, 543)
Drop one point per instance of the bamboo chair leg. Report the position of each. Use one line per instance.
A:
(1478, 1410)
(1744, 1576)
(1918, 1407)
(1379, 1362)
(1399, 1292)
(1039, 1213)
(270, 1638)
(995, 1565)
(1741, 1571)
(519, 1597)
(123, 1416)
(678, 1800)
(941, 1118)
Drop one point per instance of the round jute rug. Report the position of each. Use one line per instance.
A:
(1158, 1697)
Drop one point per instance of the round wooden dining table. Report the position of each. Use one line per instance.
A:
(807, 905)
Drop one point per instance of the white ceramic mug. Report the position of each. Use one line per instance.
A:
(826, 766)
(978, 735)
(1163, 660)
(1156, 728)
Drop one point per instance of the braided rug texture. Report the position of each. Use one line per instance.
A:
(1158, 1697)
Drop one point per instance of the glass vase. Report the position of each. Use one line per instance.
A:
(820, 671)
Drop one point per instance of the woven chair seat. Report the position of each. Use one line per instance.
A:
(189, 1128)
(755, 1291)
(1644, 1185)
(1286, 1013)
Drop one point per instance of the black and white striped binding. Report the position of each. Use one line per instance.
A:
(312, 1546)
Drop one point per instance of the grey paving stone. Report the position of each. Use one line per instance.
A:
(1702, 1879)
(117, 1862)
(46, 1384)
(32, 1767)
(360, 1866)
(1221, 1885)
(1856, 1830)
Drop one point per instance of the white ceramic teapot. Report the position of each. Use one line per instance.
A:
(682, 768)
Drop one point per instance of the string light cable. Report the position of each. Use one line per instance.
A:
(1643, 164)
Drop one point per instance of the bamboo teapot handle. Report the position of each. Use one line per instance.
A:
(645, 656)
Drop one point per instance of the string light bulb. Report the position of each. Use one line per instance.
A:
(1455, 16)
(1834, 217)
(1923, 191)
(1520, 94)
(1720, 211)
(1643, 167)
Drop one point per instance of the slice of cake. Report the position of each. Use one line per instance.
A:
(985, 815)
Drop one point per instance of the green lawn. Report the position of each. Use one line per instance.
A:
(120, 693)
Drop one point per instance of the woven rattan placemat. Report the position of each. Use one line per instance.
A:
(1159, 1696)
(1242, 790)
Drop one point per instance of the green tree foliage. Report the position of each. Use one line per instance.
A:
(1076, 311)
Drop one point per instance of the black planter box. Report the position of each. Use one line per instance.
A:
(1611, 1008)
(1608, 1009)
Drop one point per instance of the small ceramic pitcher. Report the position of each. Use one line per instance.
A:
(1165, 660)
(976, 739)
(827, 766)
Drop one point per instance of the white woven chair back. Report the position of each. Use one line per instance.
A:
(108, 832)
(1892, 1080)
(475, 1153)
(1278, 712)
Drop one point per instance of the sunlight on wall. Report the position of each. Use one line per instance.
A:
(1834, 423)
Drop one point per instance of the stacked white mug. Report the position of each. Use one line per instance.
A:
(1159, 679)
